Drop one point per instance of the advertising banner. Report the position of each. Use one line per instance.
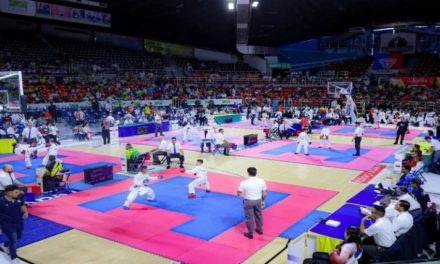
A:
(55, 12)
(419, 81)
(388, 61)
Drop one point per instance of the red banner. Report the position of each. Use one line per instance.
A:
(367, 176)
(420, 81)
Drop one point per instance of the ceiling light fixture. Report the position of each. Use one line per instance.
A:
(255, 4)
(231, 6)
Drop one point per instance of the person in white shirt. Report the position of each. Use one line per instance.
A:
(406, 196)
(303, 142)
(390, 208)
(160, 151)
(202, 179)
(158, 124)
(325, 135)
(220, 141)
(12, 131)
(254, 191)
(283, 128)
(174, 150)
(381, 231)
(79, 116)
(404, 220)
(53, 133)
(140, 187)
(30, 134)
(7, 177)
(357, 138)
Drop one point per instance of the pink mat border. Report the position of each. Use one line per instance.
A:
(413, 133)
(155, 237)
(363, 163)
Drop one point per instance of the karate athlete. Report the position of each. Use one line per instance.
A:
(187, 133)
(325, 134)
(140, 187)
(303, 142)
(377, 118)
(52, 151)
(264, 117)
(202, 179)
(29, 152)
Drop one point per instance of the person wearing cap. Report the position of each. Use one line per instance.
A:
(12, 213)
(140, 187)
(357, 138)
(7, 178)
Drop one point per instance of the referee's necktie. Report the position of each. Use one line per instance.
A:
(12, 179)
(29, 135)
(174, 146)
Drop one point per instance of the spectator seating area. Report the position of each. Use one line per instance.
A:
(427, 65)
(197, 68)
(355, 68)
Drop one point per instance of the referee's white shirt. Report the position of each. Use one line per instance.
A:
(358, 131)
(252, 188)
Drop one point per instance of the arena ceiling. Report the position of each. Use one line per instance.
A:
(208, 23)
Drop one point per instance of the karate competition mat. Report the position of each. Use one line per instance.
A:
(173, 226)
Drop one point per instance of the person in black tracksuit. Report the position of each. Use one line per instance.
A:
(402, 128)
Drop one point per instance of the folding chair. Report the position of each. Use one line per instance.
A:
(218, 149)
(63, 185)
(135, 165)
(419, 173)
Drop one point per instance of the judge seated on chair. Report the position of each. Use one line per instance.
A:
(175, 150)
(53, 175)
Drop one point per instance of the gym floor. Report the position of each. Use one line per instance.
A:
(75, 246)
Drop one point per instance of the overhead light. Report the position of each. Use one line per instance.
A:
(421, 26)
(255, 4)
(231, 6)
(383, 29)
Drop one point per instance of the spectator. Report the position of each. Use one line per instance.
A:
(404, 220)
(381, 231)
(343, 253)
(12, 213)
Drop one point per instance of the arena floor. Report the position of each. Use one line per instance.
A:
(76, 246)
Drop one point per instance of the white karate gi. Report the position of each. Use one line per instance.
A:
(202, 178)
(264, 116)
(187, 133)
(140, 187)
(27, 151)
(303, 142)
(53, 150)
(325, 134)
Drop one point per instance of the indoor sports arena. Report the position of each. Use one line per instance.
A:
(219, 131)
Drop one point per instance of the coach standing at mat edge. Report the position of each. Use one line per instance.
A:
(357, 138)
(254, 194)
